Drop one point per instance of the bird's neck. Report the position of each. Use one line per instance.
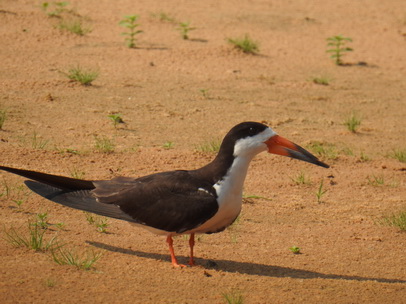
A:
(226, 166)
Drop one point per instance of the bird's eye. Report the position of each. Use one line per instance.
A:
(252, 131)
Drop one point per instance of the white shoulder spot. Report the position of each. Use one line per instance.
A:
(204, 190)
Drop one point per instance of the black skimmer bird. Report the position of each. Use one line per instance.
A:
(205, 200)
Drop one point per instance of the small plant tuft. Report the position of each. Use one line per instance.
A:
(7, 189)
(101, 223)
(34, 239)
(323, 149)
(211, 146)
(400, 155)
(76, 173)
(364, 157)
(84, 261)
(74, 26)
(337, 47)
(253, 196)
(83, 76)
(233, 297)
(376, 180)
(116, 119)
(37, 142)
(19, 203)
(42, 220)
(301, 179)
(3, 117)
(168, 145)
(321, 80)
(295, 249)
(204, 92)
(320, 192)
(245, 44)
(104, 144)
(396, 220)
(50, 282)
(184, 28)
(130, 22)
(352, 123)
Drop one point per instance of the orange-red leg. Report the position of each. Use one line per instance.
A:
(173, 257)
(174, 261)
(191, 245)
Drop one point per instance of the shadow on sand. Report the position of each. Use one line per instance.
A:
(247, 268)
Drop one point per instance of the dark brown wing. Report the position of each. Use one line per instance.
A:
(172, 201)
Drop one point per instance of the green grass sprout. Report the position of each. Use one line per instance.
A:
(168, 145)
(86, 261)
(295, 249)
(233, 297)
(116, 119)
(399, 154)
(352, 122)
(396, 220)
(184, 28)
(323, 149)
(83, 76)
(74, 26)
(338, 48)
(37, 142)
(100, 222)
(376, 180)
(130, 22)
(204, 92)
(42, 220)
(245, 44)
(77, 173)
(104, 144)
(321, 80)
(210, 146)
(301, 179)
(3, 117)
(320, 192)
(34, 239)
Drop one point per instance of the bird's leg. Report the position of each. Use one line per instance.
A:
(191, 244)
(173, 257)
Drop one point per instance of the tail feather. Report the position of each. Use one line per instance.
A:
(60, 182)
(78, 199)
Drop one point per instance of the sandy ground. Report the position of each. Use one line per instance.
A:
(175, 96)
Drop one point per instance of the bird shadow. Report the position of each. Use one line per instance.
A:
(247, 268)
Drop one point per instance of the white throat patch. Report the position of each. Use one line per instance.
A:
(252, 145)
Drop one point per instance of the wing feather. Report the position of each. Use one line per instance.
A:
(78, 199)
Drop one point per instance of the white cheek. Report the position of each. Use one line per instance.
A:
(251, 146)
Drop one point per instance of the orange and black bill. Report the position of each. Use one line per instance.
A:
(282, 146)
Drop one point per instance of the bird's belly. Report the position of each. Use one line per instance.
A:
(224, 217)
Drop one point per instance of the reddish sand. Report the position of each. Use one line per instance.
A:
(176, 95)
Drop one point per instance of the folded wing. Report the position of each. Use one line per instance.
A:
(171, 201)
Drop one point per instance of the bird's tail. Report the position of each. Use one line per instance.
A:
(60, 182)
(70, 192)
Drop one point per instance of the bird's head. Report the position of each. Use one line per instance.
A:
(251, 138)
